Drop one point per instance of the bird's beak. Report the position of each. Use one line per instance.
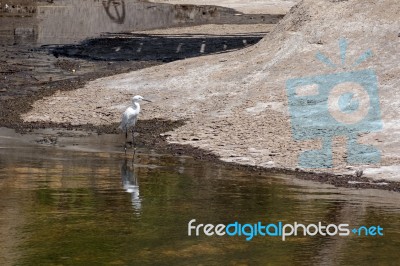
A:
(147, 100)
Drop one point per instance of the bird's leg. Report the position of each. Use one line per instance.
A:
(133, 141)
(133, 137)
(126, 138)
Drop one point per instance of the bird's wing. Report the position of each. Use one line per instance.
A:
(129, 118)
(124, 120)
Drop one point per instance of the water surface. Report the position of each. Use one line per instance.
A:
(71, 21)
(81, 201)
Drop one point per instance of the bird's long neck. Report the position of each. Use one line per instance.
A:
(136, 106)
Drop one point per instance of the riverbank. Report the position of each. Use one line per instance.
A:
(233, 105)
(248, 7)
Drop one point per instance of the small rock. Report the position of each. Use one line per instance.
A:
(3, 90)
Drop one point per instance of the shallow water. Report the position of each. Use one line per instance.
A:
(70, 21)
(81, 201)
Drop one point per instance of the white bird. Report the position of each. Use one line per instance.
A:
(131, 184)
(130, 116)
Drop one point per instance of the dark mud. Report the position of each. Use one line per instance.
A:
(15, 100)
(165, 48)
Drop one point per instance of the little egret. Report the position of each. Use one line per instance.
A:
(129, 117)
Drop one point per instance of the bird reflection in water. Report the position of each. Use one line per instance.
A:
(131, 184)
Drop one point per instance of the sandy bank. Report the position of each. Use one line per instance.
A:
(213, 29)
(237, 105)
